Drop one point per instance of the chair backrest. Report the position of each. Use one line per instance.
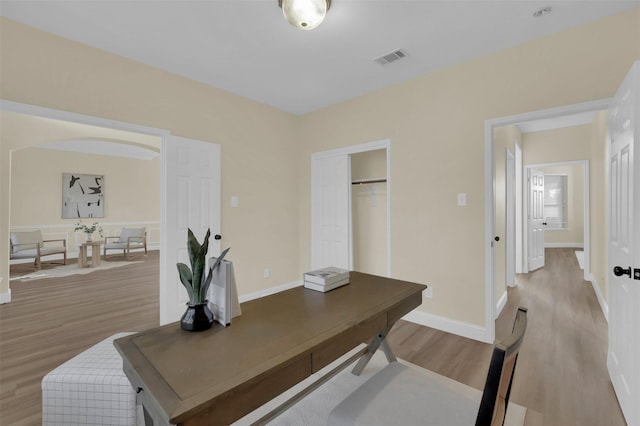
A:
(25, 240)
(131, 232)
(497, 388)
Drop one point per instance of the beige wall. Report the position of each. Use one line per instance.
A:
(132, 191)
(258, 143)
(558, 145)
(369, 213)
(436, 123)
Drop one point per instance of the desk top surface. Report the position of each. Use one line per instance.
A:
(184, 369)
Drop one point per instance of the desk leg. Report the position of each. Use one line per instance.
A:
(379, 340)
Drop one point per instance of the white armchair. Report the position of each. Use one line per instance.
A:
(129, 239)
(27, 245)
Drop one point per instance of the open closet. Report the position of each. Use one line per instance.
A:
(369, 211)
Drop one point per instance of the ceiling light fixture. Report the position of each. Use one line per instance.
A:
(304, 14)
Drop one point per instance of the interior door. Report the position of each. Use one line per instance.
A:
(624, 246)
(535, 216)
(191, 199)
(510, 219)
(330, 216)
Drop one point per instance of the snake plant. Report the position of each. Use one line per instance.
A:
(196, 280)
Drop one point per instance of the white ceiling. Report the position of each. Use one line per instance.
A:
(247, 48)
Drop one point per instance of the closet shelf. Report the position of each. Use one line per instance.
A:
(365, 181)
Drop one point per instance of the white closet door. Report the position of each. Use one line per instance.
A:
(330, 223)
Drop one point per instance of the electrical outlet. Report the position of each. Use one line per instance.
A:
(267, 273)
(428, 293)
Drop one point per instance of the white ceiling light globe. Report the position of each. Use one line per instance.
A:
(304, 14)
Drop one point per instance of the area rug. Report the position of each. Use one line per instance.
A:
(71, 269)
(314, 409)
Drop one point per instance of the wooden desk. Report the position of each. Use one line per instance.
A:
(219, 375)
(95, 254)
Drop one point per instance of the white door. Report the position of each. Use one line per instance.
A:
(623, 358)
(191, 199)
(510, 219)
(535, 216)
(330, 216)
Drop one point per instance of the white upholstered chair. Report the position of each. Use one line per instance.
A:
(129, 239)
(30, 245)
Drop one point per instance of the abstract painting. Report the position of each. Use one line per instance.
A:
(82, 196)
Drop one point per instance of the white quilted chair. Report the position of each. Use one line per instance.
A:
(30, 245)
(129, 239)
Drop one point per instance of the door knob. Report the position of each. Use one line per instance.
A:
(544, 223)
(217, 237)
(497, 238)
(618, 271)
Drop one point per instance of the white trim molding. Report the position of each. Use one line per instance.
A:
(5, 297)
(563, 245)
(501, 303)
(601, 300)
(268, 291)
(464, 329)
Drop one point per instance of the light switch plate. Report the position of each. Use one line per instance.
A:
(234, 201)
(462, 199)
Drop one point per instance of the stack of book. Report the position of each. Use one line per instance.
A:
(326, 279)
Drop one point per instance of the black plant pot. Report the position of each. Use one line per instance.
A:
(197, 317)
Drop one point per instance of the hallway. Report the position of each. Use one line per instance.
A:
(562, 371)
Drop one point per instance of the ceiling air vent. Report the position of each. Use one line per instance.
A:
(391, 57)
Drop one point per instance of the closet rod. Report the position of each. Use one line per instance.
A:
(363, 181)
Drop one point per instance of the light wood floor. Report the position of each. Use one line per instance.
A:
(561, 372)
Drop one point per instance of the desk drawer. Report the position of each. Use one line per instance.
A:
(347, 340)
(252, 394)
(403, 308)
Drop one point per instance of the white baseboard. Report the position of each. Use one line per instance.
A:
(563, 245)
(501, 303)
(5, 297)
(268, 291)
(460, 328)
(601, 300)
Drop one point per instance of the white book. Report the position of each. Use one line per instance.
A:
(326, 276)
(325, 288)
(223, 293)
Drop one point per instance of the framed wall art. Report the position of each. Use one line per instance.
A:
(82, 196)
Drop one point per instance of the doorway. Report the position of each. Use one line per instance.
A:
(491, 127)
(566, 220)
(332, 204)
(195, 216)
(369, 211)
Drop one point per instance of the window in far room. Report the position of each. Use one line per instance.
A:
(555, 201)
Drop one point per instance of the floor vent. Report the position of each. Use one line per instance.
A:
(391, 57)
